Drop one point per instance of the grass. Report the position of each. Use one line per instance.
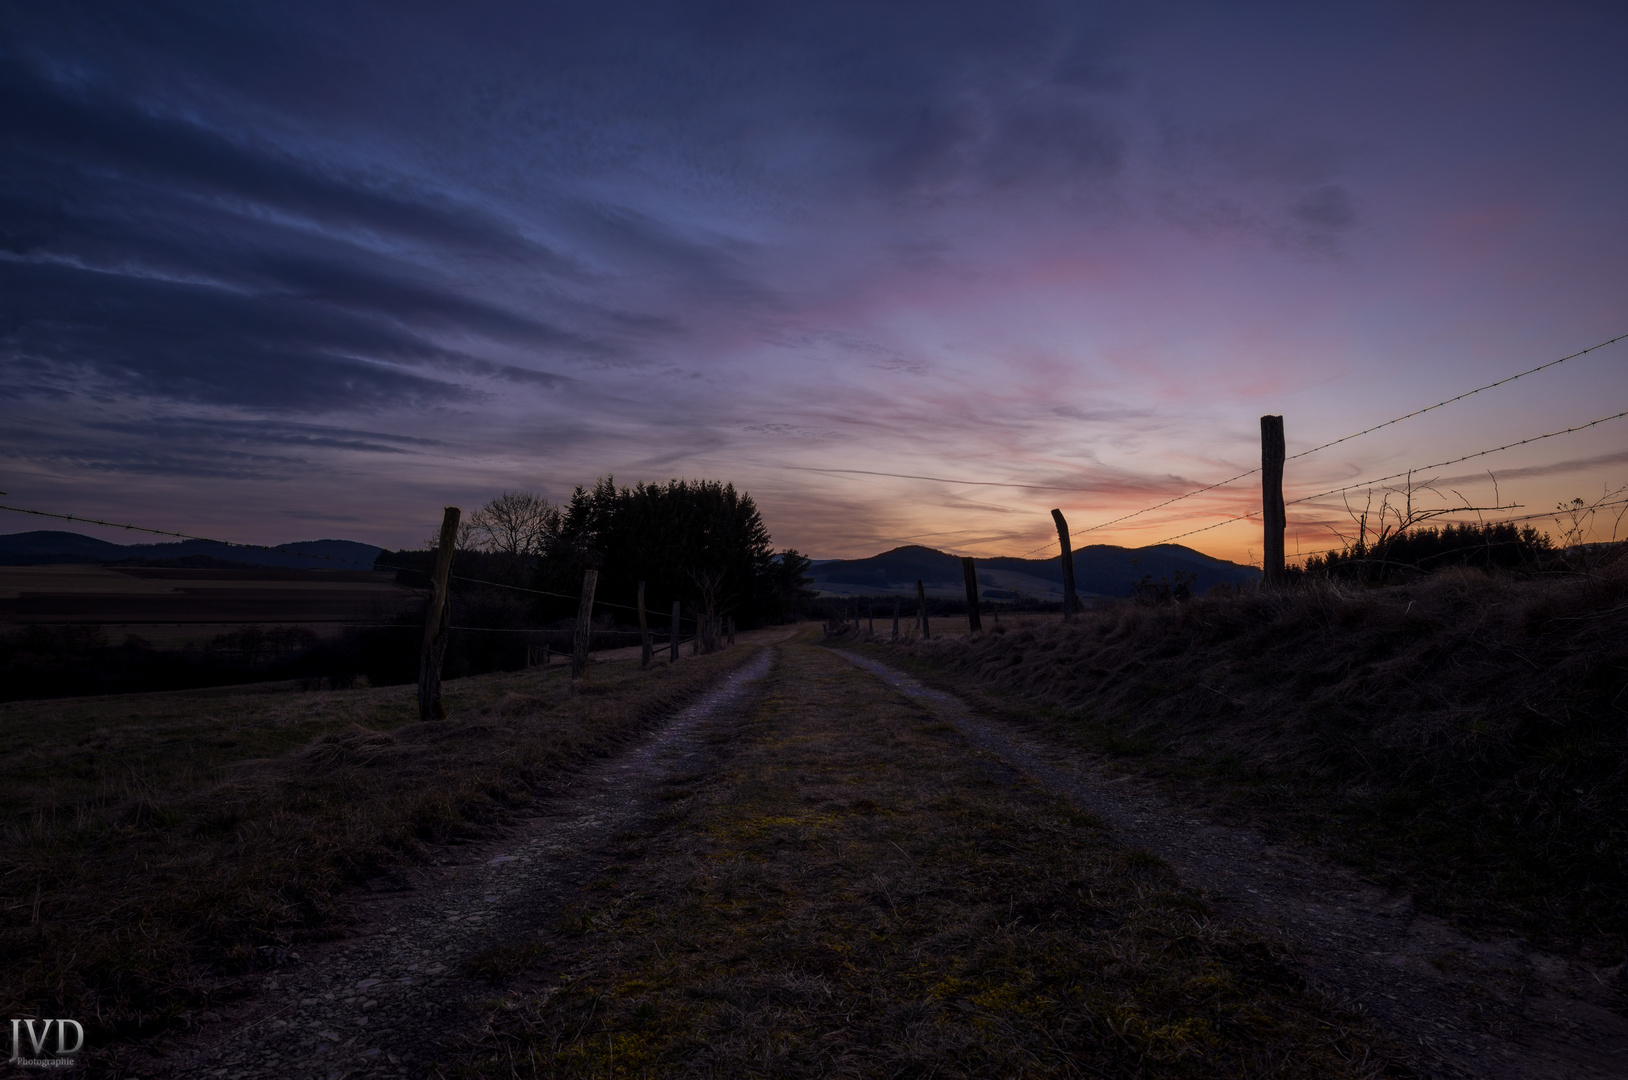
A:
(857, 893)
(1464, 738)
(154, 847)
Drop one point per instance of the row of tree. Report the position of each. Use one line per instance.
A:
(699, 542)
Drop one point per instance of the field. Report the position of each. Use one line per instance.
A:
(831, 876)
(175, 607)
(157, 845)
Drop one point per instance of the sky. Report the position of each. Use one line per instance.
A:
(906, 273)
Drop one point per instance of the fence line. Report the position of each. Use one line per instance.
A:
(307, 555)
(1368, 430)
(1455, 461)
(1051, 543)
(1407, 472)
(1460, 397)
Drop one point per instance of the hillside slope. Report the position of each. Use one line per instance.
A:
(1099, 570)
(45, 547)
(1466, 737)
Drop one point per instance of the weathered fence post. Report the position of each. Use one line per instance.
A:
(585, 618)
(870, 618)
(895, 620)
(1274, 518)
(672, 638)
(695, 642)
(921, 611)
(645, 652)
(969, 574)
(1071, 599)
(732, 631)
(437, 618)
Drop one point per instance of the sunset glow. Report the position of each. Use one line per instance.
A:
(907, 274)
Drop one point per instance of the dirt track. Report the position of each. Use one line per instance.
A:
(1475, 1008)
(397, 997)
(383, 1002)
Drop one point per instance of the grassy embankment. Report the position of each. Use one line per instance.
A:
(152, 846)
(1464, 738)
(857, 893)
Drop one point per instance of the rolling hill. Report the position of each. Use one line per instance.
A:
(1099, 570)
(49, 546)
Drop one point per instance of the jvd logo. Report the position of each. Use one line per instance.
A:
(59, 1058)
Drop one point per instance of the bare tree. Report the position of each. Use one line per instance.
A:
(1378, 528)
(710, 584)
(517, 525)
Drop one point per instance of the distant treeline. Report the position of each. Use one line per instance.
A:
(1489, 546)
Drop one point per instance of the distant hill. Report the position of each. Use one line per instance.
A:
(1099, 570)
(38, 548)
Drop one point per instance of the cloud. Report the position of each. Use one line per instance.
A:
(205, 432)
(85, 128)
(317, 515)
(1557, 468)
(1326, 209)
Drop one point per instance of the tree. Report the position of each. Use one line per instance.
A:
(518, 526)
(695, 541)
(784, 589)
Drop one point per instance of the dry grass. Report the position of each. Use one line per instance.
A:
(1466, 736)
(858, 894)
(159, 844)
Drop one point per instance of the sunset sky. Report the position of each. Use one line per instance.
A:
(908, 273)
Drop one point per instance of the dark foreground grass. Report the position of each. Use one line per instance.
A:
(858, 893)
(155, 847)
(1464, 738)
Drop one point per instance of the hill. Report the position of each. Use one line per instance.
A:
(1099, 570)
(49, 546)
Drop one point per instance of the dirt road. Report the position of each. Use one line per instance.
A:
(825, 868)
(1477, 1008)
(385, 1001)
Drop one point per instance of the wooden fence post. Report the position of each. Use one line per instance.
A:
(895, 620)
(921, 611)
(1071, 599)
(672, 638)
(969, 574)
(695, 642)
(585, 616)
(645, 652)
(870, 618)
(437, 618)
(1274, 517)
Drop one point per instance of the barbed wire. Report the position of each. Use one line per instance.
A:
(1052, 543)
(312, 555)
(1395, 476)
(1444, 520)
(1207, 528)
(184, 536)
(1460, 397)
(1353, 435)
(1455, 461)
